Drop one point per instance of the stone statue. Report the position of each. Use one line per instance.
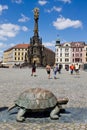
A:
(38, 99)
(36, 13)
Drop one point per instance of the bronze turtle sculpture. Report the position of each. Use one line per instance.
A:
(37, 99)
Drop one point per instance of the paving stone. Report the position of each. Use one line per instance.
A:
(15, 81)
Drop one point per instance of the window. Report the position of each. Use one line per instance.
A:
(60, 49)
(66, 60)
(66, 54)
(60, 54)
(66, 49)
(86, 59)
(77, 49)
(81, 54)
(77, 55)
(81, 49)
(57, 49)
(60, 60)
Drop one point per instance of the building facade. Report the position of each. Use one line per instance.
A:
(70, 53)
(85, 54)
(15, 55)
(78, 52)
(19, 54)
(63, 54)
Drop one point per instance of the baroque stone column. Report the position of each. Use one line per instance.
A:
(36, 17)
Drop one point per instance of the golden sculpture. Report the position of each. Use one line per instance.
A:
(36, 13)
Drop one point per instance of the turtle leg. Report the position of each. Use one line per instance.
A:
(20, 114)
(62, 110)
(54, 112)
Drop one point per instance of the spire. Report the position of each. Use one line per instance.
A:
(36, 17)
(57, 40)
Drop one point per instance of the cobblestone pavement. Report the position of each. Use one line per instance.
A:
(15, 81)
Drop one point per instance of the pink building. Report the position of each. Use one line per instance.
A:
(78, 52)
(85, 54)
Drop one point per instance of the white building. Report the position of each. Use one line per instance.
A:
(63, 54)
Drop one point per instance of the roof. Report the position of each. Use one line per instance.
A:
(77, 44)
(18, 46)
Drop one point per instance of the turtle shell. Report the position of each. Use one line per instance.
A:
(36, 98)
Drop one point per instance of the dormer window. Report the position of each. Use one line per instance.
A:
(66, 44)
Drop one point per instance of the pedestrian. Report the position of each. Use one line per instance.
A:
(48, 69)
(72, 68)
(60, 67)
(33, 69)
(77, 68)
(55, 70)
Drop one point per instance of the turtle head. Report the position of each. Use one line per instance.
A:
(62, 101)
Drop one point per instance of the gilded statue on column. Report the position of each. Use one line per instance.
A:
(36, 13)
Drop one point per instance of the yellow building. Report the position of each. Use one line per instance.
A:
(15, 55)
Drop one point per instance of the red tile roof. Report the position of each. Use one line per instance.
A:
(22, 46)
(18, 46)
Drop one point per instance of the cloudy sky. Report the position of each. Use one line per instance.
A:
(64, 19)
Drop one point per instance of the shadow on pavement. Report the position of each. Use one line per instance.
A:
(70, 115)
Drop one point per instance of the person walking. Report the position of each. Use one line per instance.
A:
(72, 68)
(77, 69)
(55, 70)
(60, 67)
(33, 69)
(48, 69)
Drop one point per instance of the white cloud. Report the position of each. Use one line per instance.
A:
(4, 46)
(63, 23)
(17, 1)
(1, 45)
(50, 45)
(3, 7)
(58, 9)
(23, 18)
(66, 1)
(24, 28)
(10, 30)
(42, 2)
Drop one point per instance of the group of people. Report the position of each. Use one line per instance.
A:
(74, 68)
(56, 69)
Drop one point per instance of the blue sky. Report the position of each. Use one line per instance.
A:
(66, 19)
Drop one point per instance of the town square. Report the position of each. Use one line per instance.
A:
(43, 65)
(15, 80)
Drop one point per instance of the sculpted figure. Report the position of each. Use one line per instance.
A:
(38, 99)
(36, 13)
